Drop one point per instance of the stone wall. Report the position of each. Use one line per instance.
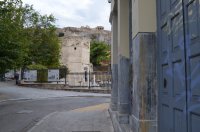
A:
(75, 46)
(97, 33)
(75, 53)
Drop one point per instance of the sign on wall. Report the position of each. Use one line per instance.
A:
(30, 75)
(53, 75)
(9, 74)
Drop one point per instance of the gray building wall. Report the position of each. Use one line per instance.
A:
(134, 87)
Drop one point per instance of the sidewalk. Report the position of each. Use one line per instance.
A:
(91, 119)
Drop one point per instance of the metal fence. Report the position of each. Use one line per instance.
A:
(91, 79)
(60, 76)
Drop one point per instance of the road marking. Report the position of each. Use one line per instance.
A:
(42, 120)
(100, 107)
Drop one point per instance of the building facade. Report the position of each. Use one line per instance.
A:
(155, 65)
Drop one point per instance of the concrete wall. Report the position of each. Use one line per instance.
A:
(144, 16)
(114, 62)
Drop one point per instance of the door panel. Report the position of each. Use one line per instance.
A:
(179, 57)
(192, 28)
(172, 89)
(194, 122)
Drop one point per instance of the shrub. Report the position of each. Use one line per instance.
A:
(42, 75)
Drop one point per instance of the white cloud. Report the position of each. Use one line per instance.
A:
(75, 12)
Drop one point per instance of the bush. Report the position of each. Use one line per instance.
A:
(99, 52)
(63, 70)
(42, 72)
(42, 75)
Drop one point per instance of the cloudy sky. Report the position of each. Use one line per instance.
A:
(75, 12)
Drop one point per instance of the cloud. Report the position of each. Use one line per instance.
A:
(75, 12)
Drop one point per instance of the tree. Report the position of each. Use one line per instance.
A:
(12, 41)
(44, 45)
(99, 51)
(27, 37)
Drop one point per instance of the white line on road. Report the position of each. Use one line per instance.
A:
(41, 121)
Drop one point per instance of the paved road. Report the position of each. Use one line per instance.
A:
(11, 91)
(23, 108)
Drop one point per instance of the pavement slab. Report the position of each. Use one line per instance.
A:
(87, 119)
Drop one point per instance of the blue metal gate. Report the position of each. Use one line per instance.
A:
(179, 65)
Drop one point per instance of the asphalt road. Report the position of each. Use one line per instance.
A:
(21, 115)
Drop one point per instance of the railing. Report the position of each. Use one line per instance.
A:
(92, 79)
(58, 76)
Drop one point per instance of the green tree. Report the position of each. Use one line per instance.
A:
(11, 34)
(44, 45)
(99, 51)
(26, 37)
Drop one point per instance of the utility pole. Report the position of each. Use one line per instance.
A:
(89, 78)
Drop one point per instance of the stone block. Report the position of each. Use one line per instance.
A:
(144, 98)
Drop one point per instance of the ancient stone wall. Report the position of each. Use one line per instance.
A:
(97, 33)
(75, 53)
(75, 46)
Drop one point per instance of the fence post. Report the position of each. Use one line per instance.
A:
(65, 76)
(89, 79)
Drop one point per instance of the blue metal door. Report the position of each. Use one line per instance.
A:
(192, 37)
(172, 67)
(179, 65)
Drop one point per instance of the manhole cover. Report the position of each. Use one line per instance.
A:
(24, 112)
